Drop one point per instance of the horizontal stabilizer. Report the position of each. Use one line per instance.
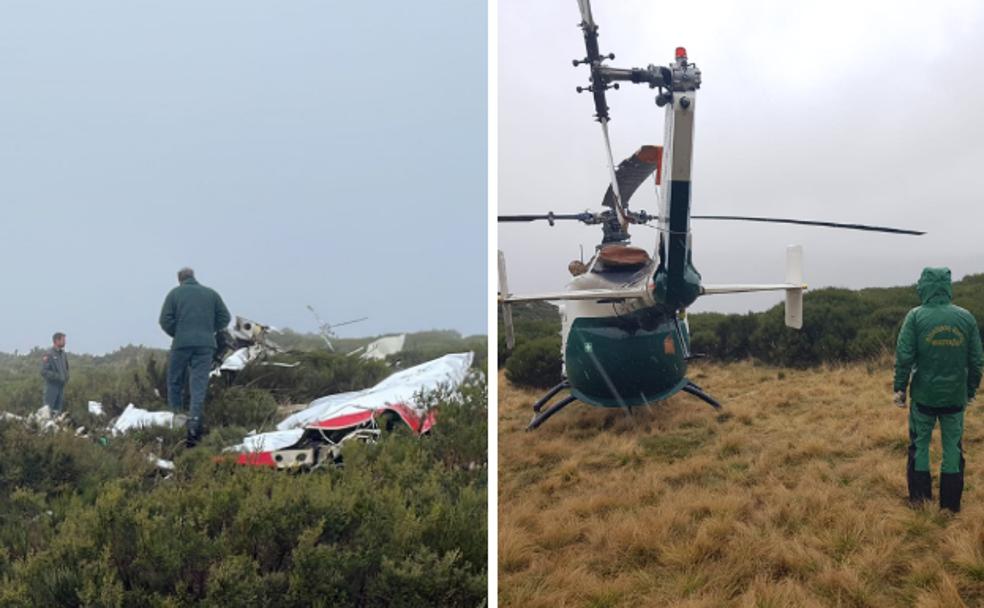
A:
(709, 290)
(579, 294)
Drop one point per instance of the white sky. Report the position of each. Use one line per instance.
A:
(293, 153)
(861, 112)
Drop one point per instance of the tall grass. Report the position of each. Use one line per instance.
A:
(793, 496)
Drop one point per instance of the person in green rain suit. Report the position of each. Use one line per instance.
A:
(939, 346)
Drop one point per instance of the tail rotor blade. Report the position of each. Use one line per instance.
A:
(631, 173)
(777, 220)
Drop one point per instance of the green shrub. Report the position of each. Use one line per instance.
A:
(241, 407)
(318, 374)
(536, 363)
(86, 522)
(531, 320)
(404, 521)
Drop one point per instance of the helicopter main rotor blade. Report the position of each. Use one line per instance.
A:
(350, 322)
(550, 217)
(630, 174)
(777, 220)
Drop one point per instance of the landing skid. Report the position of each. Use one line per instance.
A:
(540, 415)
(696, 391)
(550, 395)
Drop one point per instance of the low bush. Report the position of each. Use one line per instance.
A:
(536, 363)
(403, 523)
(241, 407)
(92, 521)
(314, 374)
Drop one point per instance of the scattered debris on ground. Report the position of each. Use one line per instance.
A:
(306, 438)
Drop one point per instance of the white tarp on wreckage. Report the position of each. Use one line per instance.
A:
(398, 394)
(398, 390)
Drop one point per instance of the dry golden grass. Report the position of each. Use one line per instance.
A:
(794, 496)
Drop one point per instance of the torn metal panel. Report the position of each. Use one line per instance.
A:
(244, 342)
(313, 448)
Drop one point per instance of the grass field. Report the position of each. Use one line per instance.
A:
(794, 495)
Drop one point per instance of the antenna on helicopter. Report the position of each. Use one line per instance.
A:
(327, 329)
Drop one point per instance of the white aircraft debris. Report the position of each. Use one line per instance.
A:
(243, 343)
(379, 349)
(315, 434)
(134, 417)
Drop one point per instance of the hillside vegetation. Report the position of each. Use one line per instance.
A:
(137, 374)
(793, 496)
(91, 521)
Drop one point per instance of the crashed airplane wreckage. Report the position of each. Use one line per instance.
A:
(315, 435)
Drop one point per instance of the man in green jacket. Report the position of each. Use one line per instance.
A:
(54, 370)
(939, 346)
(192, 314)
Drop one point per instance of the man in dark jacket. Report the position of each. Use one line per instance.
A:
(940, 347)
(54, 370)
(192, 314)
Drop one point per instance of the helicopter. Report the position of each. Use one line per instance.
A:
(624, 335)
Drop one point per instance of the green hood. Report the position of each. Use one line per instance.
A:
(934, 286)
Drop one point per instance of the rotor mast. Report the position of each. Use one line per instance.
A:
(603, 78)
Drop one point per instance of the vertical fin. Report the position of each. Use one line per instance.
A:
(794, 276)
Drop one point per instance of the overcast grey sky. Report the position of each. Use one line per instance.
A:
(293, 153)
(864, 112)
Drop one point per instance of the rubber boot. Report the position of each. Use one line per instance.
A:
(951, 489)
(920, 487)
(194, 432)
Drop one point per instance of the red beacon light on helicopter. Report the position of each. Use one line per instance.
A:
(681, 52)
